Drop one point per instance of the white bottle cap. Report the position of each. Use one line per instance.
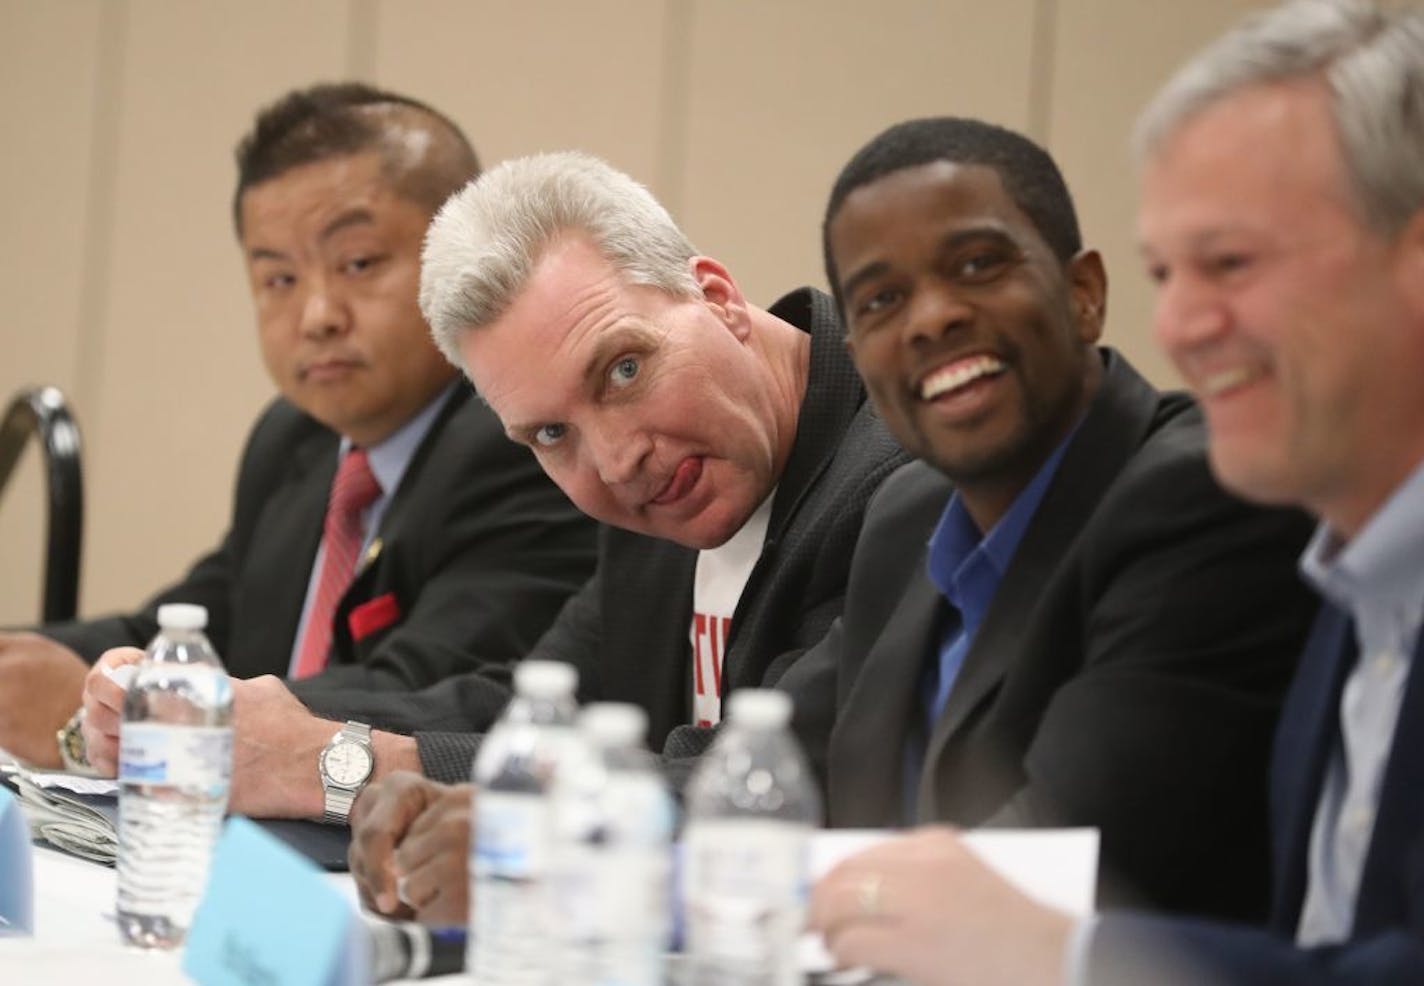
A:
(545, 679)
(613, 724)
(182, 616)
(759, 708)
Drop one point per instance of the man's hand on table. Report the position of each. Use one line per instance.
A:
(41, 682)
(410, 845)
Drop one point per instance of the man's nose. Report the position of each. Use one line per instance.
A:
(619, 450)
(1186, 314)
(324, 310)
(935, 312)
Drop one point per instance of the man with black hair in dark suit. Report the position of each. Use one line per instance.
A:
(1057, 618)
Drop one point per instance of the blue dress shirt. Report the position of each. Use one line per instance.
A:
(967, 567)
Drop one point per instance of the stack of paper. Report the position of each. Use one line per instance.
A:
(76, 814)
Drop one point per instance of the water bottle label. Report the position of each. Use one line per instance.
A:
(178, 756)
(745, 889)
(509, 945)
(511, 835)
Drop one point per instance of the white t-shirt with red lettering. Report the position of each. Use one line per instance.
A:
(721, 576)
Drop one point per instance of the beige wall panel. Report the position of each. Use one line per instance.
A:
(47, 83)
(1110, 56)
(522, 76)
(781, 94)
(181, 379)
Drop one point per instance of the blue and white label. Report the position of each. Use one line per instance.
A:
(198, 757)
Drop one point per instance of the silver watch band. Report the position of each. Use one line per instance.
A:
(337, 801)
(337, 807)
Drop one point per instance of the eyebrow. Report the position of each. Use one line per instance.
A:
(957, 238)
(351, 217)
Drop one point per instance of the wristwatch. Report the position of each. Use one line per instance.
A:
(346, 764)
(71, 745)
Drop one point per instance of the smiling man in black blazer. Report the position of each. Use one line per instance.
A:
(1057, 617)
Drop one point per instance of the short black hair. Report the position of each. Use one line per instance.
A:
(1027, 171)
(338, 119)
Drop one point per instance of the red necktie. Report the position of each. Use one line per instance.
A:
(352, 491)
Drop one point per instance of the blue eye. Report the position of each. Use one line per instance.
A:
(547, 435)
(624, 370)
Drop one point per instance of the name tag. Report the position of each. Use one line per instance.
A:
(270, 918)
(17, 878)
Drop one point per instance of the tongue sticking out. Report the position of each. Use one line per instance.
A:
(686, 476)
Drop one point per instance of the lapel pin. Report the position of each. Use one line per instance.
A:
(372, 553)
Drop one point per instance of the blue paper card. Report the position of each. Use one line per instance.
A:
(17, 875)
(268, 915)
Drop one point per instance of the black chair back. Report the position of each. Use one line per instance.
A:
(44, 413)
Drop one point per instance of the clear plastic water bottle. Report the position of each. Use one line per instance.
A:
(175, 766)
(510, 936)
(751, 807)
(612, 860)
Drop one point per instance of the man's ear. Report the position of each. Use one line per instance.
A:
(721, 294)
(1088, 290)
(1409, 264)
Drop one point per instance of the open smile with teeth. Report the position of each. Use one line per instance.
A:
(1219, 382)
(959, 374)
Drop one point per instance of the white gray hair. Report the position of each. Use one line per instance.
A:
(1370, 60)
(485, 241)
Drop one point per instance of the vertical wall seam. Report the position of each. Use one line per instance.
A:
(362, 38)
(1043, 50)
(99, 213)
(673, 104)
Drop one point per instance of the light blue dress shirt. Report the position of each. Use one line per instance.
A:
(1377, 577)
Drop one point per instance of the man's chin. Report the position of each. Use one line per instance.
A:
(709, 529)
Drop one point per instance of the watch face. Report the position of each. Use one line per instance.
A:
(346, 763)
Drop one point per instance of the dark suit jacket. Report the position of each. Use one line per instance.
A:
(1387, 944)
(1127, 674)
(478, 549)
(627, 630)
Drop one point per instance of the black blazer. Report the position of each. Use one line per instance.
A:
(478, 550)
(1386, 947)
(627, 630)
(1127, 674)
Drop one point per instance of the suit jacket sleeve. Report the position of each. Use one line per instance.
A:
(1194, 622)
(447, 718)
(1128, 949)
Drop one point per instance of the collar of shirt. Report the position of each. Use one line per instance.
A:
(391, 456)
(1376, 575)
(965, 566)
